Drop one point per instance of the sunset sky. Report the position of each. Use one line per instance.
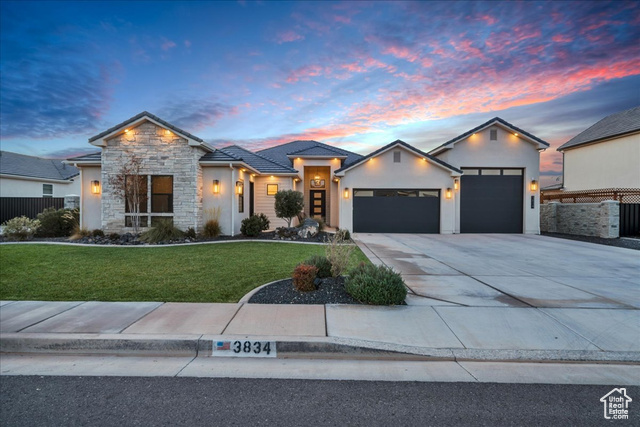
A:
(353, 74)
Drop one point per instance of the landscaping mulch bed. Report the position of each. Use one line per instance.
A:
(130, 239)
(623, 242)
(330, 291)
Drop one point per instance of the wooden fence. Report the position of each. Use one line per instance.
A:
(11, 207)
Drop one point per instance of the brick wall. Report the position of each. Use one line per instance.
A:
(583, 219)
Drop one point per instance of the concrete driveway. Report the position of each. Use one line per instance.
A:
(479, 270)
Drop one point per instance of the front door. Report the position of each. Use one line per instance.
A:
(317, 204)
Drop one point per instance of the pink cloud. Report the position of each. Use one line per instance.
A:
(490, 20)
(167, 44)
(342, 19)
(562, 38)
(187, 44)
(288, 37)
(304, 72)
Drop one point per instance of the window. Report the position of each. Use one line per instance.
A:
(272, 189)
(240, 190)
(140, 189)
(136, 193)
(396, 156)
(493, 134)
(47, 190)
(162, 194)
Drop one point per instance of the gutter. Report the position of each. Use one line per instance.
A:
(233, 193)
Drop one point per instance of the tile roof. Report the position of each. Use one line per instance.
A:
(139, 116)
(317, 151)
(93, 157)
(614, 125)
(280, 153)
(35, 167)
(485, 124)
(257, 161)
(409, 147)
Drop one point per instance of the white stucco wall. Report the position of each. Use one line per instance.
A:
(90, 208)
(509, 151)
(412, 173)
(22, 187)
(608, 164)
(227, 199)
(266, 204)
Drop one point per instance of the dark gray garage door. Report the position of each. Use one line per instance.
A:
(396, 211)
(491, 200)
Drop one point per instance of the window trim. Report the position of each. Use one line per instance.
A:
(152, 194)
(46, 194)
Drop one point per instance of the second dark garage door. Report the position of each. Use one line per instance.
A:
(491, 200)
(396, 211)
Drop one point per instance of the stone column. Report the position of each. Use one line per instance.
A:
(72, 202)
(609, 221)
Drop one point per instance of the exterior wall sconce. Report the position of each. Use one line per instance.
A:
(346, 193)
(534, 185)
(95, 187)
(447, 193)
(239, 187)
(216, 186)
(456, 184)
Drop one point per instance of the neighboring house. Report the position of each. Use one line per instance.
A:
(28, 176)
(606, 155)
(477, 182)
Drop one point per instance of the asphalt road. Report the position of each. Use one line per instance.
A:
(133, 401)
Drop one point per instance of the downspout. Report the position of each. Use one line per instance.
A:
(82, 197)
(233, 193)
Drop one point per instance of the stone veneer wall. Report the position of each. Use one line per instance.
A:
(162, 153)
(582, 219)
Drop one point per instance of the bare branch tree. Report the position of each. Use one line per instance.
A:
(130, 185)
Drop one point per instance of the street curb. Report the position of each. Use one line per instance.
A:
(287, 348)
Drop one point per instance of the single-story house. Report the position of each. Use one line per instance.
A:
(483, 181)
(606, 155)
(29, 176)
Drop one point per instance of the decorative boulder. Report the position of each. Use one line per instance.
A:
(308, 228)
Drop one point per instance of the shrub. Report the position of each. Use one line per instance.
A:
(212, 224)
(211, 229)
(97, 233)
(190, 233)
(378, 285)
(114, 236)
(288, 204)
(79, 233)
(56, 222)
(165, 230)
(303, 277)
(254, 225)
(264, 221)
(20, 228)
(344, 234)
(338, 253)
(322, 264)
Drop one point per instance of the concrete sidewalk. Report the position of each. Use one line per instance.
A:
(331, 331)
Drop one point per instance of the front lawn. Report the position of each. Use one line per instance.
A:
(198, 273)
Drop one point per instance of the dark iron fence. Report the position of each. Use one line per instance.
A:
(622, 195)
(629, 219)
(11, 207)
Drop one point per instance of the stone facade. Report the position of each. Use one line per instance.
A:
(162, 153)
(583, 219)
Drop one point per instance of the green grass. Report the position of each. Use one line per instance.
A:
(199, 273)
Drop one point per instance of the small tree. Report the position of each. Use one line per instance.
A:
(130, 185)
(289, 204)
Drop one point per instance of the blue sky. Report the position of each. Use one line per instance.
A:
(353, 74)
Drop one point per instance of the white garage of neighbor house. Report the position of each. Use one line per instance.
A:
(484, 181)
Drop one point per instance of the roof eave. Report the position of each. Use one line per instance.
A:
(37, 178)
(102, 141)
(596, 141)
(295, 156)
